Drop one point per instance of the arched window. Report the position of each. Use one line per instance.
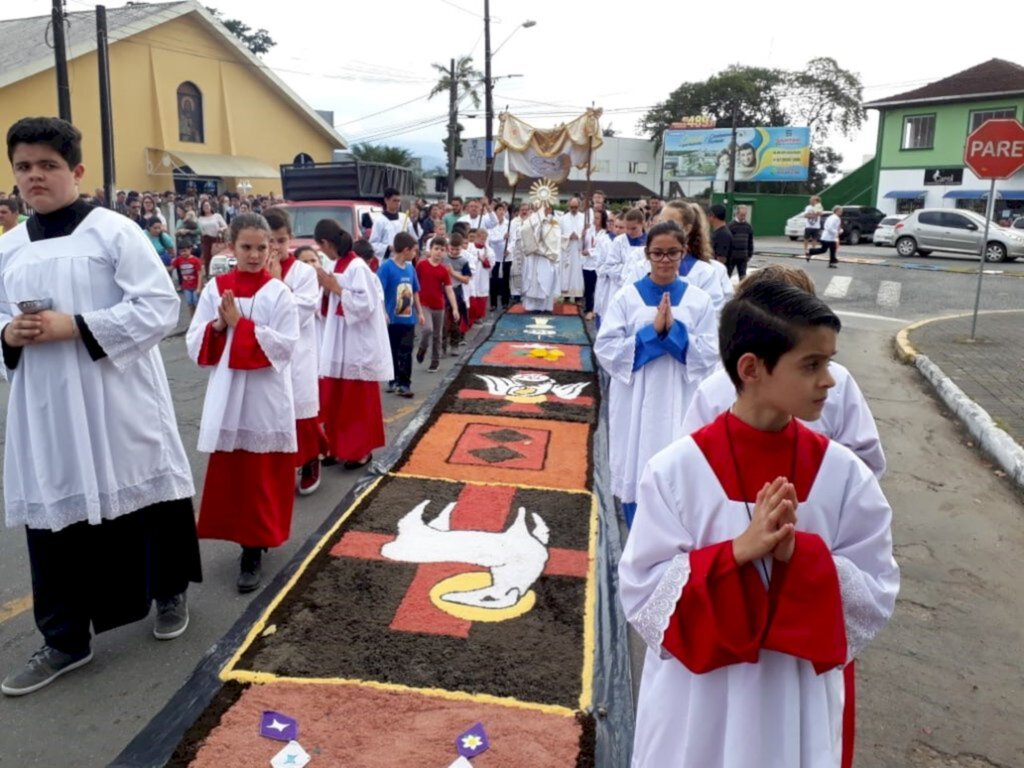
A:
(190, 113)
(302, 159)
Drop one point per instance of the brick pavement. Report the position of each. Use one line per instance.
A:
(989, 370)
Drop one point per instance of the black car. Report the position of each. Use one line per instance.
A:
(859, 223)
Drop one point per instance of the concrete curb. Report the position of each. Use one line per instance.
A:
(994, 440)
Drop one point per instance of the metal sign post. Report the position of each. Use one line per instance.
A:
(990, 211)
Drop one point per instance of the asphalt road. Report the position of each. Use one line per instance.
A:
(940, 688)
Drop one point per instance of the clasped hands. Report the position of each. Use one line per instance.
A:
(772, 526)
(663, 318)
(39, 328)
(228, 313)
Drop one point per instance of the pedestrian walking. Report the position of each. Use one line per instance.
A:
(435, 279)
(830, 234)
(742, 243)
(401, 286)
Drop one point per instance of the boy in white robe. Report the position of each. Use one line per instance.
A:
(760, 562)
(845, 418)
(657, 342)
(356, 353)
(94, 468)
(572, 227)
(481, 258)
(246, 330)
(388, 223)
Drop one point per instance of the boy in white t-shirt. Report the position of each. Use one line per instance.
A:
(812, 230)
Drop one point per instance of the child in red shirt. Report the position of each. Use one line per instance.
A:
(435, 282)
(190, 272)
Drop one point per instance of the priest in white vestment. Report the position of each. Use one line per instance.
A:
(540, 240)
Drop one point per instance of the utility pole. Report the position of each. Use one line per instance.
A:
(106, 116)
(453, 122)
(61, 55)
(730, 188)
(488, 104)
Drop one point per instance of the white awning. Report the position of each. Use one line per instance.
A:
(166, 161)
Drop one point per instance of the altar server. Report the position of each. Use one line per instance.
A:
(94, 469)
(627, 248)
(246, 329)
(760, 562)
(388, 223)
(845, 418)
(356, 353)
(572, 227)
(301, 279)
(657, 342)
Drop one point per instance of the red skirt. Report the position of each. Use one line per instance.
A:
(248, 498)
(312, 440)
(353, 418)
(477, 308)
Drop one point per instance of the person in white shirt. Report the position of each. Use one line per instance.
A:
(514, 253)
(812, 229)
(481, 259)
(830, 238)
(572, 225)
(497, 235)
(389, 223)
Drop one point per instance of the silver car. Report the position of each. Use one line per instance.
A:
(956, 231)
(885, 232)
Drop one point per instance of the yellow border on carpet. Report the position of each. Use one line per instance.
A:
(265, 678)
(261, 623)
(589, 608)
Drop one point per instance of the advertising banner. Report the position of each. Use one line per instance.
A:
(762, 154)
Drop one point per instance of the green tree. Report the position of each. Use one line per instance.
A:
(382, 153)
(468, 81)
(257, 41)
(822, 96)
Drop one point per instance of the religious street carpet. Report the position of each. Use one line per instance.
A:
(456, 591)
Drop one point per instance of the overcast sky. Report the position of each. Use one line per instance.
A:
(359, 59)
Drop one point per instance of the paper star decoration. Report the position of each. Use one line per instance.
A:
(277, 725)
(472, 742)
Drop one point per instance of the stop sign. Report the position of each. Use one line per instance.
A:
(995, 149)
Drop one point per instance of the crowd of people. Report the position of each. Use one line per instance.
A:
(745, 461)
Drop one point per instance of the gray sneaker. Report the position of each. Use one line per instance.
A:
(45, 666)
(171, 617)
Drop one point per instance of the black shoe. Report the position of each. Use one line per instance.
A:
(833, 266)
(420, 355)
(357, 464)
(434, 365)
(171, 617)
(251, 571)
(328, 461)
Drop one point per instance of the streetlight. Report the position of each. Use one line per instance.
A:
(489, 96)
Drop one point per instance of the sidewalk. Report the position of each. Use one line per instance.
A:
(981, 381)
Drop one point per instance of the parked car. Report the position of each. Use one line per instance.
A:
(859, 221)
(885, 232)
(956, 231)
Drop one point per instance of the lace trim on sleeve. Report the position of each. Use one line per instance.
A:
(652, 620)
(859, 612)
(121, 348)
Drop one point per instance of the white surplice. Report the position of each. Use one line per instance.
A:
(778, 712)
(539, 241)
(249, 410)
(571, 259)
(382, 235)
(846, 417)
(480, 283)
(646, 406)
(355, 344)
(622, 253)
(603, 290)
(104, 430)
(305, 365)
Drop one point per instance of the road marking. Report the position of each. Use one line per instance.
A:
(889, 293)
(838, 287)
(864, 316)
(15, 607)
(404, 411)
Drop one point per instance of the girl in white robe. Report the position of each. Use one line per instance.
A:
(603, 245)
(760, 563)
(246, 329)
(356, 353)
(627, 248)
(657, 342)
(846, 417)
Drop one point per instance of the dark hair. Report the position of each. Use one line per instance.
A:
(718, 211)
(601, 218)
(151, 221)
(330, 231)
(60, 135)
(635, 215)
(403, 242)
(500, 204)
(440, 240)
(456, 199)
(666, 228)
(278, 218)
(654, 197)
(766, 320)
(248, 221)
(460, 228)
(391, 192)
(9, 203)
(456, 239)
(363, 248)
(302, 249)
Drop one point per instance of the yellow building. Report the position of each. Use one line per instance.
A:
(191, 104)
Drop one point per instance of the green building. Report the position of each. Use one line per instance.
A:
(922, 134)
